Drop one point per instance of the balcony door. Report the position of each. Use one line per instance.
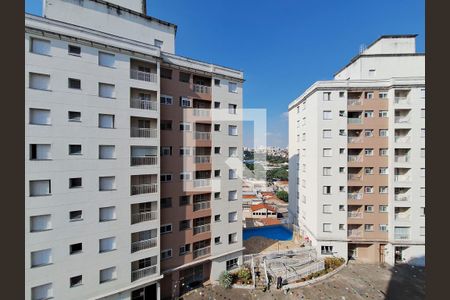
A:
(145, 293)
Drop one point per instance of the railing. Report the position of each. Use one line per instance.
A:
(400, 197)
(202, 159)
(354, 102)
(401, 217)
(401, 158)
(354, 177)
(355, 196)
(198, 88)
(201, 229)
(402, 139)
(201, 135)
(401, 100)
(144, 76)
(141, 245)
(144, 104)
(358, 158)
(401, 178)
(144, 132)
(140, 273)
(143, 160)
(201, 205)
(201, 112)
(401, 236)
(143, 217)
(354, 233)
(354, 120)
(201, 252)
(355, 139)
(201, 182)
(355, 214)
(402, 119)
(253, 272)
(148, 188)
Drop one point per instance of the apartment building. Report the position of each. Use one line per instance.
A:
(98, 99)
(357, 157)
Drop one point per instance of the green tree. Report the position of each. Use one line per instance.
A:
(283, 195)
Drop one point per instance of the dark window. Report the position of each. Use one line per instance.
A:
(75, 182)
(74, 83)
(166, 124)
(217, 82)
(185, 224)
(76, 215)
(74, 116)
(184, 200)
(166, 202)
(166, 73)
(75, 50)
(216, 127)
(76, 280)
(217, 218)
(33, 151)
(75, 149)
(216, 173)
(216, 104)
(216, 150)
(76, 248)
(185, 77)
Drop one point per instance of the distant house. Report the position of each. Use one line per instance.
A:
(260, 211)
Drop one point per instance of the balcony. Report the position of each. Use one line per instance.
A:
(201, 112)
(354, 120)
(355, 158)
(402, 236)
(201, 182)
(401, 158)
(402, 178)
(148, 188)
(354, 233)
(143, 104)
(355, 214)
(203, 89)
(201, 252)
(352, 102)
(402, 217)
(355, 196)
(201, 135)
(144, 272)
(201, 205)
(144, 76)
(143, 217)
(401, 197)
(202, 159)
(402, 139)
(201, 228)
(143, 160)
(144, 244)
(355, 139)
(402, 119)
(144, 132)
(354, 177)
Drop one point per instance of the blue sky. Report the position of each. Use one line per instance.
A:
(283, 46)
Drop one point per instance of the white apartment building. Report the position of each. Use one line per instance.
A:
(357, 157)
(93, 174)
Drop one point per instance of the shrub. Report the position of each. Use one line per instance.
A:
(333, 262)
(244, 274)
(225, 279)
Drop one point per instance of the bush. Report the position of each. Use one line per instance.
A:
(244, 274)
(333, 262)
(225, 279)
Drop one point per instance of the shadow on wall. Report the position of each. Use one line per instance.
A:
(407, 281)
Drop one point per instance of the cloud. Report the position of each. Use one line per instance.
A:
(285, 115)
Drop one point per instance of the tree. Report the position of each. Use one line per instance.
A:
(225, 279)
(283, 195)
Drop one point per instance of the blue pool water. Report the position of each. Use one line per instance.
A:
(276, 232)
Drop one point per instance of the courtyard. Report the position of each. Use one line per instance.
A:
(356, 281)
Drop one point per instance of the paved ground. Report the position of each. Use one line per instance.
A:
(356, 281)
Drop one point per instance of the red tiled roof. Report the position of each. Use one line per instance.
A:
(261, 206)
(249, 196)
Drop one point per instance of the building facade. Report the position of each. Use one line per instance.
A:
(357, 148)
(97, 100)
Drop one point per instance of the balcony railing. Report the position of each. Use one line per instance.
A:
(141, 273)
(201, 205)
(355, 196)
(201, 112)
(402, 139)
(355, 139)
(354, 102)
(143, 217)
(144, 244)
(352, 233)
(144, 132)
(401, 178)
(201, 182)
(401, 100)
(357, 158)
(402, 217)
(144, 76)
(401, 158)
(354, 177)
(143, 160)
(401, 236)
(144, 104)
(148, 188)
(401, 197)
(402, 119)
(201, 135)
(201, 252)
(202, 159)
(201, 229)
(354, 120)
(355, 214)
(198, 88)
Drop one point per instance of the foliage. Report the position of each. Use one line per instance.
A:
(225, 279)
(283, 195)
(273, 159)
(249, 155)
(332, 263)
(278, 173)
(244, 274)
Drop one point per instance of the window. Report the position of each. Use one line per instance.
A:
(341, 189)
(41, 258)
(166, 228)
(216, 104)
(75, 248)
(341, 207)
(383, 208)
(217, 240)
(383, 152)
(166, 177)
(216, 150)
(185, 249)
(185, 102)
(106, 90)
(216, 173)
(341, 170)
(368, 227)
(40, 152)
(422, 192)
(326, 96)
(74, 83)
(232, 195)
(383, 189)
(75, 150)
(74, 116)
(76, 280)
(42, 292)
(39, 46)
(106, 152)
(232, 174)
(232, 87)
(217, 218)
(106, 59)
(107, 213)
(75, 215)
(368, 170)
(383, 170)
(167, 100)
(166, 124)
(232, 109)
(232, 217)
(422, 152)
(166, 73)
(368, 114)
(185, 77)
(185, 151)
(326, 227)
(40, 223)
(166, 202)
(422, 211)
(217, 195)
(185, 176)
(382, 95)
(326, 171)
(422, 93)
(341, 94)
(232, 152)
(368, 152)
(108, 274)
(326, 208)
(383, 113)
(368, 95)
(326, 250)
(74, 50)
(341, 150)
(40, 188)
(368, 132)
(383, 132)
(107, 183)
(342, 132)
(232, 238)
(232, 130)
(105, 121)
(159, 43)
(232, 264)
(74, 183)
(40, 116)
(326, 133)
(422, 132)
(327, 152)
(185, 126)
(341, 226)
(185, 224)
(39, 81)
(217, 82)
(383, 227)
(342, 113)
(166, 151)
(326, 190)
(327, 115)
(368, 208)
(107, 244)
(368, 189)
(372, 73)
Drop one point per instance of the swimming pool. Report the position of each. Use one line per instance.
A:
(276, 232)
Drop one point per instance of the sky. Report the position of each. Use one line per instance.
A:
(282, 46)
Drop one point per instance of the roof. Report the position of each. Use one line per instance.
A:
(268, 193)
(261, 206)
(269, 221)
(249, 196)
